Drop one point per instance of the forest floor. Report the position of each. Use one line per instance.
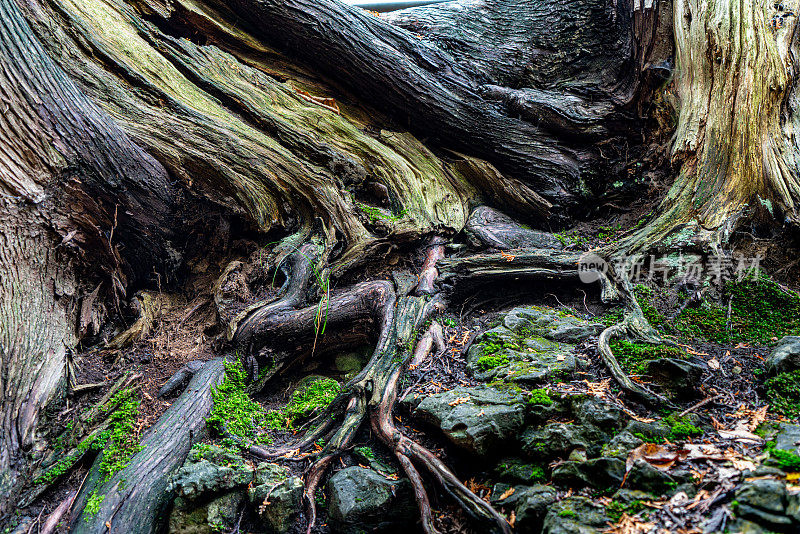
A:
(705, 463)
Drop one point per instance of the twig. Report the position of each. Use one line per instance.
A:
(699, 404)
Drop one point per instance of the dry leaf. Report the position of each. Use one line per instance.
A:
(459, 400)
(713, 364)
(508, 493)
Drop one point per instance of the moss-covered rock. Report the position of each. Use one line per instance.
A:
(361, 500)
(532, 506)
(276, 496)
(476, 419)
(210, 470)
(785, 357)
(574, 515)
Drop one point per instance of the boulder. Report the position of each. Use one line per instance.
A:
(531, 508)
(220, 514)
(574, 515)
(362, 500)
(558, 440)
(276, 496)
(645, 477)
(788, 438)
(600, 473)
(678, 377)
(549, 323)
(476, 419)
(785, 357)
(210, 470)
(764, 502)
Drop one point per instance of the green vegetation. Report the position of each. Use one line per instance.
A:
(234, 412)
(378, 214)
(634, 356)
(783, 391)
(493, 343)
(568, 514)
(485, 363)
(540, 396)
(306, 400)
(122, 440)
(92, 507)
(786, 460)
(449, 321)
(518, 470)
(760, 310)
(365, 452)
(682, 428)
(616, 509)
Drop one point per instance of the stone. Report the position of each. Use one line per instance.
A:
(655, 430)
(621, 445)
(785, 357)
(788, 438)
(765, 494)
(600, 473)
(558, 440)
(204, 516)
(210, 470)
(475, 419)
(276, 496)
(531, 508)
(549, 323)
(574, 515)
(679, 377)
(518, 470)
(645, 477)
(362, 500)
(597, 412)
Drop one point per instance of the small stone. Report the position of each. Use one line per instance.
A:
(276, 496)
(532, 506)
(765, 494)
(574, 515)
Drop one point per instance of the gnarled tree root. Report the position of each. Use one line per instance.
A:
(136, 498)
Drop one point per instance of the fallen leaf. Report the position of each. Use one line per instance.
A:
(713, 364)
(459, 400)
(508, 493)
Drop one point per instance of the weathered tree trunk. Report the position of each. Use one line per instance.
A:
(73, 187)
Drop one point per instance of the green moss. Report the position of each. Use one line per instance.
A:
(376, 214)
(487, 362)
(634, 356)
(493, 343)
(786, 460)
(517, 470)
(568, 514)
(682, 428)
(92, 507)
(306, 400)
(122, 441)
(761, 310)
(783, 391)
(540, 396)
(616, 509)
(233, 411)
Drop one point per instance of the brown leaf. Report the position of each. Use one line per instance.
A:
(507, 493)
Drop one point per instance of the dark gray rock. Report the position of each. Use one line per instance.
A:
(276, 496)
(532, 506)
(549, 323)
(621, 445)
(655, 430)
(765, 494)
(519, 471)
(600, 473)
(785, 357)
(788, 438)
(210, 470)
(476, 419)
(680, 377)
(362, 500)
(597, 412)
(558, 440)
(574, 515)
(645, 477)
(220, 514)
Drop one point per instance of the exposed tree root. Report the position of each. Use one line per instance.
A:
(134, 498)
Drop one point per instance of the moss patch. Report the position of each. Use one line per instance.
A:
(786, 460)
(491, 361)
(634, 356)
(682, 428)
(616, 509)
(783, 391)
(234, 412)
(539, 396)
(306, 400)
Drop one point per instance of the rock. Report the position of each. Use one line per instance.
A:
(532, 506)
(743, 526)
(598, 473)
(597, 412)
(788, 438)
(645, 477)
(621, 445)
(210, 470)
(276, 496)
(532, 345)
(517, 470)
(559, 439)
(785, 357)
(476, 419)
(656, 430)
(501, 488)
(574, 515)
(362, 500)
(679, 377)
(206, 517)
(349, 363)
(764, 495)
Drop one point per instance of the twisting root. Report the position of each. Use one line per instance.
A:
(429, 272)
